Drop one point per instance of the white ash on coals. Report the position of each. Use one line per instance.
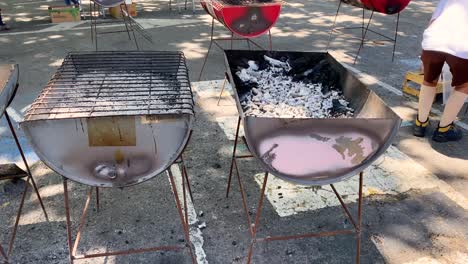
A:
(276, 93)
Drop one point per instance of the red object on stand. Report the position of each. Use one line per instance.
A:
(244, 18)
(388, 7)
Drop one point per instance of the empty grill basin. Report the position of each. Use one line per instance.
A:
(113, 119)
(246, 18)
(314, 151)
(8, 85)
(388, 7)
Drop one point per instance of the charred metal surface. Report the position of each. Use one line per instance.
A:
(315, 151)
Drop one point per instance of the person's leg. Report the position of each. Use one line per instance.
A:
(67, 2)
(432, 63)
(447, 131)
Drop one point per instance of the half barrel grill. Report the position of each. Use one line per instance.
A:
(312, 151)
(9, 76)
(246, 18)
(386, 7)
(114, 119)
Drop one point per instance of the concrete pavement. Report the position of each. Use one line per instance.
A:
(415, 195)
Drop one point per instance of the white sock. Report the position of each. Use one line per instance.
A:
(453, 106)
(426, 98)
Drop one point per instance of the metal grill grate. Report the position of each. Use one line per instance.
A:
(92, 84)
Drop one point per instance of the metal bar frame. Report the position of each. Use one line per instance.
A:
(364, 30)
(93, 7)
(7, 254)
(253, 226)
(181, 208)
(216, 41)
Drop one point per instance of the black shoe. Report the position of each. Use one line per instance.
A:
(448, 133)
(419, 128)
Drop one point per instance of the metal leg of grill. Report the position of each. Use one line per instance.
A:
(257, 218)
(124, 15)
(233, 157)
(97, 199)
(396, 36)
(185, 175)
(3, 254)
(126, 19)
(269, 40)
(222, 91)
(73, 244)
(230, 39)
(208, 52)
(67, 219)
(334, 23)
(363, 39)
(185, 224)
(356, 224)
(25, 190)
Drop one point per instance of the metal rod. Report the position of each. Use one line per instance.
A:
(97, 199)
(95, 29)
(82, 221)
(244, 199)
(321, 234)
(344, 206)
(3, 254)
(208, 52)
(269, 38)
(127, 13)
(257, 218)
(233, 157)
(179, 210)
(184, 194)
(396, 36)
(123, 14)
(358, 233)
(334, 23)
(185, 174)
(363, 38)
(18, 217)
(222, 90)
(68, 222)
(28, 170)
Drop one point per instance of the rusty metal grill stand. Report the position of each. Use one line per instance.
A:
(364, 29)
(6, 254)
(231, 39)
(253, 226)
(182, 211)
(130, 25)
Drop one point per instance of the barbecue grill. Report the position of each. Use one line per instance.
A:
(310, 151)
(131, 25)
(386, 7)
(109, 106)
(245, 18)
(9, 75)
(114, 119)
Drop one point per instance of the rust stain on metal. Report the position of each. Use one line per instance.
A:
(119, 157)
(155, 119)
(111, 131)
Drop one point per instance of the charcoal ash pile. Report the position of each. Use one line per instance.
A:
(291, 89)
